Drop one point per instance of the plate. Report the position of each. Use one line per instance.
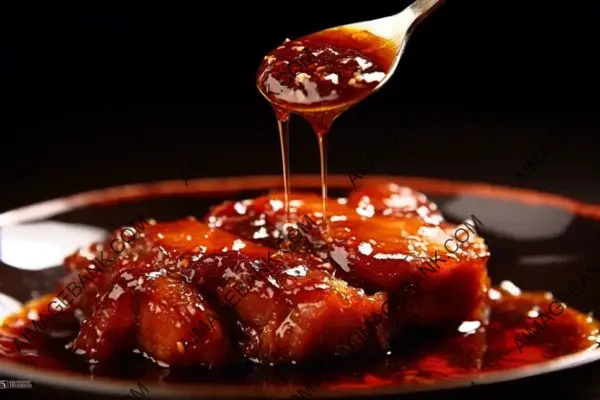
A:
(538, 241)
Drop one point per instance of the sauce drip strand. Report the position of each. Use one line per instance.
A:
(318, 77)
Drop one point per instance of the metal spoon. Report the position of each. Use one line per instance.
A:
(394, 32)
(396, 29)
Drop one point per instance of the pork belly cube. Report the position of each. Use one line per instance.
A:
(288, 305)
(177, 326)
(427, 284)
(293, 311)
(443, 277)
(385, 238)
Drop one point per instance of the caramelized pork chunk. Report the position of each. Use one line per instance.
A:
(401, 246)
(178, 326)
(288, 307)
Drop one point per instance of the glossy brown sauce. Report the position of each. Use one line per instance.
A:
(324, 70)
(416, 356)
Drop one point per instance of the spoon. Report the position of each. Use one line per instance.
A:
(395, 30)
(334, 78)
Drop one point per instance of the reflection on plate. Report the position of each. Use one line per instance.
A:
(38, 246)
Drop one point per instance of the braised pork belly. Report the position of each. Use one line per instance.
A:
(382, 238)
(244, 282)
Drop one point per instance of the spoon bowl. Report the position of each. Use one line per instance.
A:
(390, 35)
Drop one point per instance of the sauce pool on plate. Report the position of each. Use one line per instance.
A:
(417, 357)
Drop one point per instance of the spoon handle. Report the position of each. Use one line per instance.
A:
(422, 7)
(414, 13)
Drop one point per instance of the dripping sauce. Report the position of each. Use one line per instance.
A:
(318, 77)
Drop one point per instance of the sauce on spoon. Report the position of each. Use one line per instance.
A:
(318, 77)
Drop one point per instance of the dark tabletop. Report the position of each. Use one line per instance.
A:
(116, 94)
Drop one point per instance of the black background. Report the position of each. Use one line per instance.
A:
(108, 94)
(99, 95)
